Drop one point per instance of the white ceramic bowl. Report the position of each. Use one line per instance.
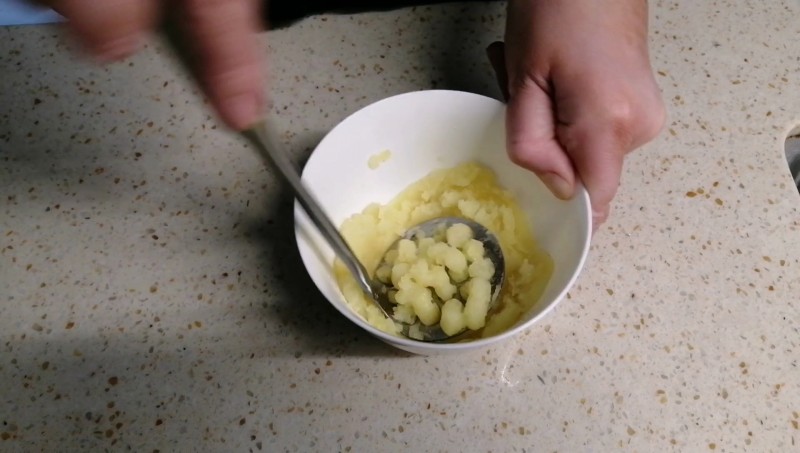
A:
(427, 130)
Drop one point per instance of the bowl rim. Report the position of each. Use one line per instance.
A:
(581, 196)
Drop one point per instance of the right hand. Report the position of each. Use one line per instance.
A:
(223, 32)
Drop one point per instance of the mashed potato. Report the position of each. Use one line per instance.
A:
(470, 191)
(440, 278)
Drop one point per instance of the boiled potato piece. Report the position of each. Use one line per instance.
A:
(384, 273)
(480, 294)
(458, 235)
(406, 251)
(441, 283)
(482, 269)
(456, 264)
(405, 313)
(473, 250)
(453, 321)
(420, 300)
(399, 271)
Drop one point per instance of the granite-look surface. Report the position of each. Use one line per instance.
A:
(151, 297)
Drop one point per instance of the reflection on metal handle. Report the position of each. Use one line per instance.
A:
(792, 147)
(264, 138)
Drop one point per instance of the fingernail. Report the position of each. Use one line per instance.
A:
(558, 185)
(599, 217)
(240, 111)
(118, 49)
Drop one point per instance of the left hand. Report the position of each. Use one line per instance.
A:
(581, 92)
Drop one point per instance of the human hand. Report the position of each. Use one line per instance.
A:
(221, 32)
(581, 92)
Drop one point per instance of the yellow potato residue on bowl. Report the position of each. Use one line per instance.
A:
(377, 160)
(471, 191)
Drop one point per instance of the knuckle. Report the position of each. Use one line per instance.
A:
(212, 11)
(621, 113)
(621, 121)
(515, 156)
(516, 153)
(635, 123)
(522, 152)
(522, 80)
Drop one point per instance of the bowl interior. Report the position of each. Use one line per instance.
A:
(424, 131)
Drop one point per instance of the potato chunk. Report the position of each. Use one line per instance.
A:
(456, 264)
(453, 321)
(473, 250)
(420, 300)
(384, 273)
(406, 251)
(440, 281)
(458, 234)
(480, 294)
(482, 269)
(399, 271)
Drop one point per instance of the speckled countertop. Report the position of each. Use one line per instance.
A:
(151, 297)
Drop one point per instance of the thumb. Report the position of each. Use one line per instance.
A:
(110, 30)
(531, 139)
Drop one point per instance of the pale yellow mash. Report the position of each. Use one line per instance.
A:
(471, 191)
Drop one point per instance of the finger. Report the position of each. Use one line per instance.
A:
(532, 141)
(597, 147)
(109, 29)
(225, 37)
(496, 54)
(600, 171)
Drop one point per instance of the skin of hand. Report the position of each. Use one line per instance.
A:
(223, 34)
(581, 93)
